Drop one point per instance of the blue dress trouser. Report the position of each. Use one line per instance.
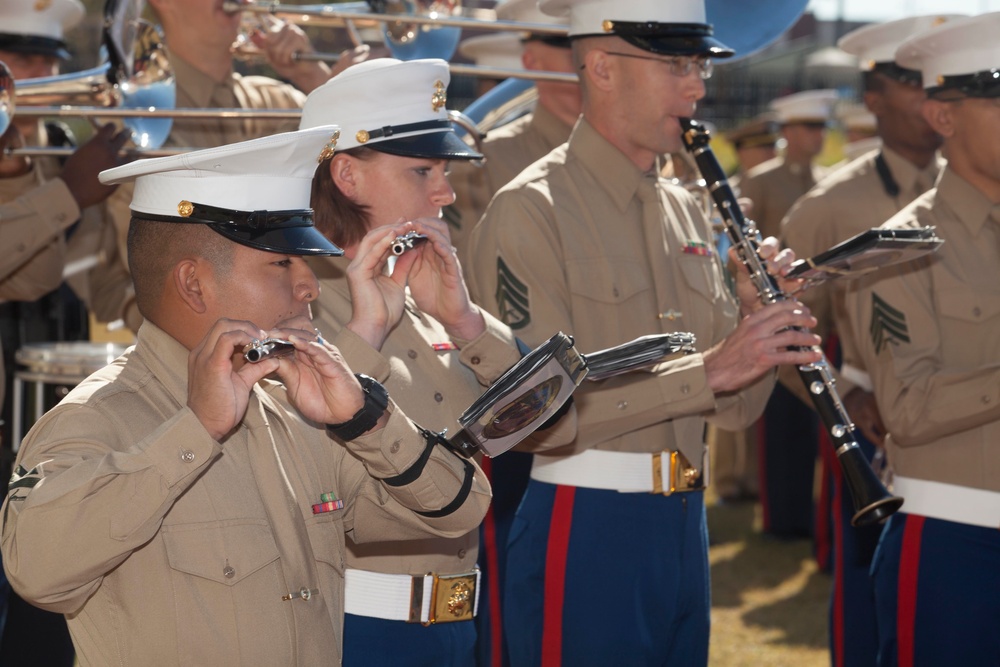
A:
(601, 578)
(373, 642)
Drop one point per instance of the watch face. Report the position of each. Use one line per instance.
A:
(524, 409)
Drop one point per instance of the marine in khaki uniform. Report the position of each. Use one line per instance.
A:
(862, 195)
(178, 507)
(434, 350)
(755, 143)
(512, 147)
(590, 241)
(929, 335)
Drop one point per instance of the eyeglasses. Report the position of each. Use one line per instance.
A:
(679, 65)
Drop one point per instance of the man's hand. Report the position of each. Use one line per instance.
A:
(218, 394)
(759, 344)
(82, 167)
(319, 382)
(777, 262)
(863, 409)
(437, 285)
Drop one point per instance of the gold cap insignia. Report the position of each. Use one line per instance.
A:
(185, 208)
(939, 20)
(362, 136)
(42, 5)
(607, 25)
(940, 80)
(440, 97)
(330, 148)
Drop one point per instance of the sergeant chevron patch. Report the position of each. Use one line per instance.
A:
(888, 325)
(512, 298)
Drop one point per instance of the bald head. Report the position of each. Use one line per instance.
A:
(155, 248)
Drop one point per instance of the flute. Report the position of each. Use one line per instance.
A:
(258, 350)
(872, 501)
(407, 241)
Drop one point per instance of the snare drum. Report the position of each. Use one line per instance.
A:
(60, 364)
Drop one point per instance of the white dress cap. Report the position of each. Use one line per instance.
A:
(261, 188)
(951, 55)
(855, 117)
(810, 106)
(45, 20)
(502, 49)
(390, 105)
(660, 26)
(877, 43)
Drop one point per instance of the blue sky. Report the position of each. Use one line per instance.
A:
(884, 10)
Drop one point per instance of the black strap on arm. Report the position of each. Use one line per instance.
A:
(889, 183)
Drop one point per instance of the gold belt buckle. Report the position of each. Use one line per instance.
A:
(453, 597)
(682, 476)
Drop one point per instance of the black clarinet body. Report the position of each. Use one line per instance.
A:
(872, 501)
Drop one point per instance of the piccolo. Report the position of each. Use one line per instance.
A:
(259, 350)
(407, 241)
(872, 501)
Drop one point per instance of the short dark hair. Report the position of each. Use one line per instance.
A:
(154, 248)
(337, 217)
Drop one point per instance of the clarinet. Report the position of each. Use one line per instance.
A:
(872, 501)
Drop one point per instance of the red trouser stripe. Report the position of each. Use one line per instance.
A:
(555, 575)
(906, 594)
(838, 544)
(827, 512)
(493, 576)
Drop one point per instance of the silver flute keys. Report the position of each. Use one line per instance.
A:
(407, 241)
(259, 350)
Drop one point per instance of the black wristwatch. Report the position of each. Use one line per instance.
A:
(376, 401)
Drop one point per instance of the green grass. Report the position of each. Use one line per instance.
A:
(769, 599)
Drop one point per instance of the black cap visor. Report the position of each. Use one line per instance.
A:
(285, 232)
(910, 77)
(444, 145)
(34, 45)
(981, 84)
(671, 39)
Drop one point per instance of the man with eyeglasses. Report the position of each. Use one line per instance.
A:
(929, 333)
(608, 554)
(862, 195)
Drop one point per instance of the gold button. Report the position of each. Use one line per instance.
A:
(185, 209)
(362, 136)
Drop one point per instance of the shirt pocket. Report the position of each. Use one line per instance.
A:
(701, 275)
(223, 552)
(608, 294)
(968, 316)
(326, 534)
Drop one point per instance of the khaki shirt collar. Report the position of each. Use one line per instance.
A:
(970, 206)
(165, 357)
(196, 84)
(905, 173)
(618, 175)
(552, 129)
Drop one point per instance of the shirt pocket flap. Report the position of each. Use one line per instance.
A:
(225, 553)
(699, 274)
(606, 280)
(963, 303)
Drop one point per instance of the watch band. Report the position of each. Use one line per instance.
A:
(376, 402)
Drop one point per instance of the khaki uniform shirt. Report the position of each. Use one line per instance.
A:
(433, 386)
(508, 150)
(929, 332)
(33, 217)
(111, 285)
(774, 186)
(846, 203)
(165, 547)
(566, 247)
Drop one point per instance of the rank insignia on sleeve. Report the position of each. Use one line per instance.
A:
(888, 325)
(512, 298)
(24, 479)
